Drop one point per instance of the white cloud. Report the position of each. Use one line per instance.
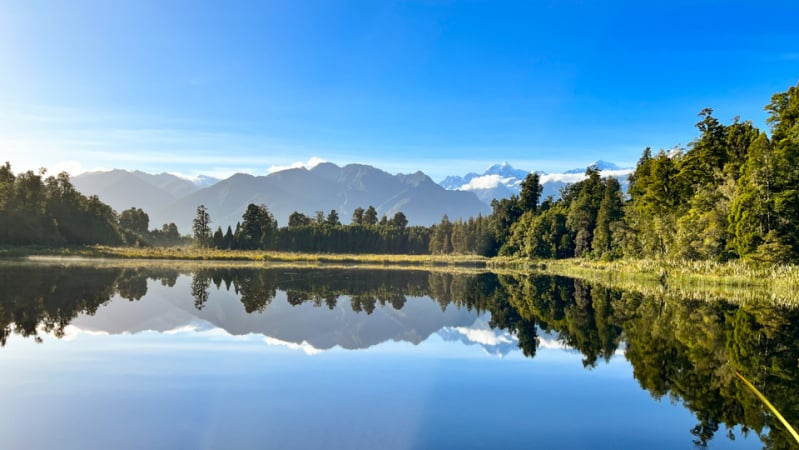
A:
(577, 177)
(307, 348)
(484, 182)
(484, 336)
(71, 167)
(192, 178)
(190, 328)
(310, 164)
(562, 177)
(616, 173)
(71, 332)
(552, 344)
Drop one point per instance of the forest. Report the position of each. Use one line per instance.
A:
(39, 210)
(732, 194)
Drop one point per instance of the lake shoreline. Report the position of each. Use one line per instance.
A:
(704, 279)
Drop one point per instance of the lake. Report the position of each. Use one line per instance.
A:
(179, 355)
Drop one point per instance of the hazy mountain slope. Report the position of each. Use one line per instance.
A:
(122, 189)
(323, 188)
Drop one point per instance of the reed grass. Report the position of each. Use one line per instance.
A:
(735, 281)
(261, 256)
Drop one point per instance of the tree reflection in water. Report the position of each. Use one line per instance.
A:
(685, 349)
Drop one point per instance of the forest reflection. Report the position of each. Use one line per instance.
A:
(683, 349)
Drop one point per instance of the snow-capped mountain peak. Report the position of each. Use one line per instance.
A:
(502, 180)
(601, 165)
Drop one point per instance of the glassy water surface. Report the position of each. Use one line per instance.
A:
(190, 356)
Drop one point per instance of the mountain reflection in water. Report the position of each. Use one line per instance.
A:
(682, 349)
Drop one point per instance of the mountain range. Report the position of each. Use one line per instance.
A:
(502, 180)
(171, 198)
(168, 198)
(122, 189)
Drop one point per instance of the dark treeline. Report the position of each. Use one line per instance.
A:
(35, 209)
(258, 229)
(39, 210)
(731, 194)
(683, 349)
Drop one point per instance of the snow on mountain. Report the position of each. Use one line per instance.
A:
(601, 165)
(502, 180)
(494, 342)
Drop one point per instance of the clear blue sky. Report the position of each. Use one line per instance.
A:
(444, 87)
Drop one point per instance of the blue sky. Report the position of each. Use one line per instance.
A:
(443, 87)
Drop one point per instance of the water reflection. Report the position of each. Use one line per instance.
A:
(682, 349)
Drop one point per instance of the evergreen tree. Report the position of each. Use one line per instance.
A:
(258, 227)
(229, 239)
(608, 219)
(134, 219)
(530, 192)
(202, 226)
(399, 220)
(357, 216)
(298, 219)
(332, 219)
(752, 213)
(370, 216)
(441, 239)
(219, 238)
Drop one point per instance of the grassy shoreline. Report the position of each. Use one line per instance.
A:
(260, 256)
(737, 280)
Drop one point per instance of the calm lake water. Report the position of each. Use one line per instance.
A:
(175, 356)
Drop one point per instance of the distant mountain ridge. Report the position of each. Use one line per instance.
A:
(601, 165)
(328, 186)
(502, 180)
(168, 198)
(122, 189)
(498, 181)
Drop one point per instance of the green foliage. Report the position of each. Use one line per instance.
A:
(258, 228)
(505, 212)
(134, 219)
(608, 221)
(35, 210)
(732, 194)
(441, 240)
(370, 216)
(202, 227)
(530, 192)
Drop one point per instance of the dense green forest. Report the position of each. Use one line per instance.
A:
(325, 233)
(40, 210)
(731, 194)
